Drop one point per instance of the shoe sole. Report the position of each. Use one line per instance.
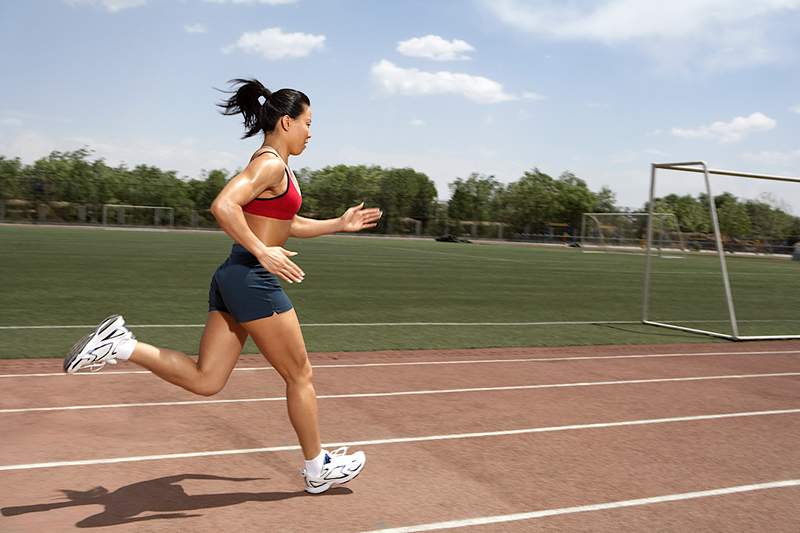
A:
(81, 344)
(323, 488)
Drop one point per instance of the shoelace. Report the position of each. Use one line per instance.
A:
(342, 450)
(338, 451)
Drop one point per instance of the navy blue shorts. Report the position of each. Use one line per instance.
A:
(245, 289)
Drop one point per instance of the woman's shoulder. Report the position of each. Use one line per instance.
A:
(267, 170)
(270, 152)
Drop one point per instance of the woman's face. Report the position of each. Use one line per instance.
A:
(299, 132)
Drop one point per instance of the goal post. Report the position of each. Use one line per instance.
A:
(138, 215)
(702, 168)
(624, 232)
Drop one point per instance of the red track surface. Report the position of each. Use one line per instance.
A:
(417, 482)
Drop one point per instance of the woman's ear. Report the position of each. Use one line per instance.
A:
(286, 122)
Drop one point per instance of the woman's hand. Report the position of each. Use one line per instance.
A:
(276, 260)
(357, 218)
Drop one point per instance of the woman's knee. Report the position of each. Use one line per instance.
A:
(300, 373)
(206, 385)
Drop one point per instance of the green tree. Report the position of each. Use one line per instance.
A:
(692, 213)
(404, 193)
(475, 198)
(532, 201)
(62, 176)
(733, 219)
(605, 201)
(10, 177)
(574, 199)
(210, 188)
(329, 191)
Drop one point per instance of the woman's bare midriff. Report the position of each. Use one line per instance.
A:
(270, 231)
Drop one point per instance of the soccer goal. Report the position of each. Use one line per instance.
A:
(626, 233)
(138, 215)
(766, 284)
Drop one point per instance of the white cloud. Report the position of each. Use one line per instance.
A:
(195, 28)
(714, 34)
(268, 2)
(530, 95)
(773, 158)
(10, 121)
(410, 81)
(112, 6)
(435, 47)
(623, 20)
(735, 130)
(27, 145)
(417, 122)
(273, 43)
(795, 109)
(17, 117)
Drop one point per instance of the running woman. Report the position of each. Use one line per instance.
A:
(258, 209)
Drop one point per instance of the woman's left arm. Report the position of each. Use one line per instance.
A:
(354, 219)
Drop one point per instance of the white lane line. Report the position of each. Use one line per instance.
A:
(398, 393)
(399, 440)
(497, 519)
(362, 324)
(450, 362)
(382, 324)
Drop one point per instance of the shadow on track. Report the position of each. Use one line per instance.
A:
(164, 496)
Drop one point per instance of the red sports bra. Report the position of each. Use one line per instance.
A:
(284, 206)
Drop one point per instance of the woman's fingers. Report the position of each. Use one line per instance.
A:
(284, 268)
(287, 275)
(293, 271)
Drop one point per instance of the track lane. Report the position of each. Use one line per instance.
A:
(415, 483)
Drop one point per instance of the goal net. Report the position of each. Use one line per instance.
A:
(627, 233)
(739, 279)
(138, 215)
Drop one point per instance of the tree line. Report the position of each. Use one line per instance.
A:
(533, 204)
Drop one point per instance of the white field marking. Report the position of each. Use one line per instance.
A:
(425, 324)
(400, 440)
(593, 507)
(367, 324)
(399, 393)
(479, 258)
(451, 362)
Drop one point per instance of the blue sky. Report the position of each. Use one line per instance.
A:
(601, 88)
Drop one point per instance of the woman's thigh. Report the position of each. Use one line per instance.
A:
(222, 342)
(280, 340)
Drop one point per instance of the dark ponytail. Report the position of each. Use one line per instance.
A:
(258, 116)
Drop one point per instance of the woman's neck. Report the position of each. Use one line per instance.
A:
(278, 146)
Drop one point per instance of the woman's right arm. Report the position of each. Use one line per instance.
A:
(260, 174)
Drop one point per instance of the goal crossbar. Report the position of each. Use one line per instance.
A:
(702, 167)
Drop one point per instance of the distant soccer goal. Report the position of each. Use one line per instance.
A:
(744, 288)
(627, 233)
(138, 215)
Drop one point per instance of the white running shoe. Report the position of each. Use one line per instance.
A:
(98, 347)
(339, 468)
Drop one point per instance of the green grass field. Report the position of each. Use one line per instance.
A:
(70, 276)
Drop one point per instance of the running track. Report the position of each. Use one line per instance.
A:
(610, 439)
